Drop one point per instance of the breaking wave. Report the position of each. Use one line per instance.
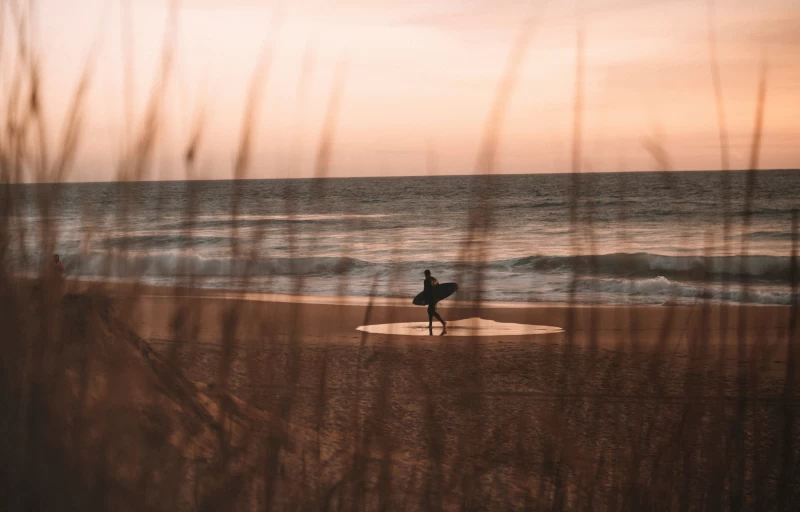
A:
(641, 277)
(772, 268)
(638, 266)
(662, 289)
(176, 264)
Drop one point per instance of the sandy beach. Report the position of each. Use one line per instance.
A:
(684, 398)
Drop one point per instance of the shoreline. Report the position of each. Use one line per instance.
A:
(160, 312)
(362, 300)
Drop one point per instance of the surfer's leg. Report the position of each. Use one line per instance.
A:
(432, 312)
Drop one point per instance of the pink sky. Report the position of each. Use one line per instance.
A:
(419, 80)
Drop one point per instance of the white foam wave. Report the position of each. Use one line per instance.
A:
(662, 287)
(642, 264)
(301, 217)
(183, 264)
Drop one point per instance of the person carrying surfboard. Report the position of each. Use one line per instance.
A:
(430, 297)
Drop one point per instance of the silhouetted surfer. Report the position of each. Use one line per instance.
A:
(58, 267)
(56, 279)
(430, 298)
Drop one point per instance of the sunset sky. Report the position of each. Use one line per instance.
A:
(418, 81)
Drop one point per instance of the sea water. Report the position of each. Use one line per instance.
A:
(611, 238)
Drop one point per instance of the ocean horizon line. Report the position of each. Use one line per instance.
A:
(401, 176)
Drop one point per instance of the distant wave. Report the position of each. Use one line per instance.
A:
(770, 235)
(177, 264)
(162, 241)
(662, 288)
(773, 268)
(243, 221)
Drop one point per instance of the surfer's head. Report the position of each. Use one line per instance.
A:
(427, 273)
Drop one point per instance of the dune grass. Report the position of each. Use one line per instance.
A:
(94, 417)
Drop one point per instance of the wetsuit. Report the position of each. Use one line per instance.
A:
(430, 298)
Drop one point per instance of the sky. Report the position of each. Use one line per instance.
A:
(416, 82)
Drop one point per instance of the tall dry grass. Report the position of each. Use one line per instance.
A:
(95, 417)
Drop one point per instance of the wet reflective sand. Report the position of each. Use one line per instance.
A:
(464, 327)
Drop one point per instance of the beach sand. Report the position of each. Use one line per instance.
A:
(626, 407)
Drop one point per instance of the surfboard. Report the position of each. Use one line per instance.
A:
(441, 292)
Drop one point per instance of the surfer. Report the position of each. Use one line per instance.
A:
(58, 267)
(56, 279)
(430, 297)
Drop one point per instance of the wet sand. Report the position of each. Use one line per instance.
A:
(151, 311)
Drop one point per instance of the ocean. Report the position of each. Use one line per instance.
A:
(608, 238)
